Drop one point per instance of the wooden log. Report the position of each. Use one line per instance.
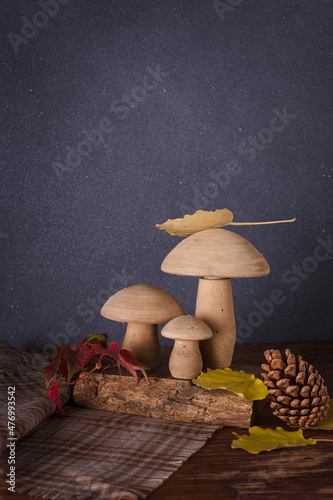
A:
(163, 397)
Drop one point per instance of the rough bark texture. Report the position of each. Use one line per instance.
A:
(163, 397)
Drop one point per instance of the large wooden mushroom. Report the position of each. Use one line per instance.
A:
(215, 256)
(143, 307)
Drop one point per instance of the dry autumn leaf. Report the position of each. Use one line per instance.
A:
(243, 384)
(203, 219)
(270, 439)
(199, 221)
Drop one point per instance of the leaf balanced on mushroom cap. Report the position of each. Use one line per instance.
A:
(203, 219)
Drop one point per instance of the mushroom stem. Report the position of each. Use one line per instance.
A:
(185, 360)
(142, 340)
(215, 307)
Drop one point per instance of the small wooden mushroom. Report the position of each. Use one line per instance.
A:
(143, 307)
(185, 360)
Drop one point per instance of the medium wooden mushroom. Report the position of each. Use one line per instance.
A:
(143, 307)
(215, 256)
(185, 360)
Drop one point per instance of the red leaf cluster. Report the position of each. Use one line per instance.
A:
(73, 359)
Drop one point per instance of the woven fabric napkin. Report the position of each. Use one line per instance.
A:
(89, 454)
(23, 372)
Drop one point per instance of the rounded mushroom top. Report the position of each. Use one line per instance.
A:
(215, 253)
(142, 304)
(186, 328)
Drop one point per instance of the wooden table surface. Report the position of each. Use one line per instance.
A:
(218, 472)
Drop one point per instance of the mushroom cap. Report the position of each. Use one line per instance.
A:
(142, 304)
(215, 253)
(186, 328)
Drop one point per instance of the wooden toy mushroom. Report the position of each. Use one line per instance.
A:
(143, 307)
(185, 360)
(215, 256)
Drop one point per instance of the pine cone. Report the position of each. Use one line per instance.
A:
(298, 394)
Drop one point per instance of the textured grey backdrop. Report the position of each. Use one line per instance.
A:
(117, 115)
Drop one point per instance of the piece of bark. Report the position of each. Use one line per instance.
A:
(163, 397)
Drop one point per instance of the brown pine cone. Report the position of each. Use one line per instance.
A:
(298, 394)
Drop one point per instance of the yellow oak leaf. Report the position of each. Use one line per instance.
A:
(243, 384)
(199, 221)
(327, 423)
(270, 439)
(203, 219)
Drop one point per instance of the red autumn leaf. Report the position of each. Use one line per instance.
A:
(131, 370)
(59, 365)
(112, 350)
(128, 361)
(57, 350)
(54, 395)
(122, 356)
(75, 360)
(63, 367)
(95, 348)
(72, 359)
(128, 357)
(50, 372)
(87, 351)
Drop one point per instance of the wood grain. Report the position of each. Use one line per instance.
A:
(219, 472)
(215, 256)
(215, 253)
(214, 305)
(145, 304)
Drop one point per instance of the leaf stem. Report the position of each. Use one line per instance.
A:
(331, 440)
(260, 223)
(85, 375)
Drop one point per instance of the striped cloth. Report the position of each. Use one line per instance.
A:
(89, 454)
(24, 371)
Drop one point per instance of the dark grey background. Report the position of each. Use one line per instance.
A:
(72, 234)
